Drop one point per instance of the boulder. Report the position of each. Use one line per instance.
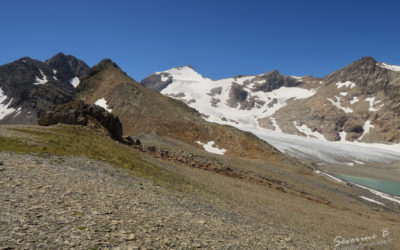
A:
(80, 113)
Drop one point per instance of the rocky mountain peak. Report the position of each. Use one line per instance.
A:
(66, 67)
(366, 73)
(365, 61)
(101, 66)
(185, 67)
(273, 80)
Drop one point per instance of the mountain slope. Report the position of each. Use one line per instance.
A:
(29, 87)
(359, 102)
(142, 110)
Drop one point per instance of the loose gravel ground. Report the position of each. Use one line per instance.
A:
(78, 203)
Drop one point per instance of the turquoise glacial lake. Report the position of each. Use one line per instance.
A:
(389, 187)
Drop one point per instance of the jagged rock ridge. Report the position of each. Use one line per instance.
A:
(30, 87)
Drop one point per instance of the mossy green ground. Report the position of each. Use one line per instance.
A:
(65, 140)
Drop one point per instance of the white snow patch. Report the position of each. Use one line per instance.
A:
(351, 164)
(372, 102)
(41, 81)
(371, 200)
(209, 147)
(390, 67)
(343, 135)
(346, 84)
(359, 162)
(4, 108)
(54, 71)
(75, 81)
(337, 104)
(329, 176)
(381, 194)
(367, 127)
(164, 78)
(343, 93)
(299, 78)
(275, 124)
(308, 132)
(103, 103)
(354, 100)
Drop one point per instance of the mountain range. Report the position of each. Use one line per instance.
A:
(179, 156)
(359, 103)
(28, 87)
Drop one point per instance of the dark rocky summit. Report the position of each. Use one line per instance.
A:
(67, 67)
(157, 81)
(273, 80)
(79, 113)
(237, 95)
(32, 87)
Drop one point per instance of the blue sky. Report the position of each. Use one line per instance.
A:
(218, 38)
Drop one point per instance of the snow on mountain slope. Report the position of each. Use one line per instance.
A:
(212, 97)
(390, 67)
(75, 81)
(103, 103)
(35, 86)
(4, 107)
(42, 80)
(267, 102)
(332, 152)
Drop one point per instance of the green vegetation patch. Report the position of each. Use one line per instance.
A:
(65, 140)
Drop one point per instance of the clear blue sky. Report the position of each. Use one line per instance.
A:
(219, 38)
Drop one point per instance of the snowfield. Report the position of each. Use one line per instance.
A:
(195, 86)
(328, 151)
(191, 85)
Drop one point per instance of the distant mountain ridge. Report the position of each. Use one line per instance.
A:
(360, 102)
(29, 87)
(144, 111)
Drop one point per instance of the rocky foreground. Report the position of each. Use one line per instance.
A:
(75, 202)
(73, 187)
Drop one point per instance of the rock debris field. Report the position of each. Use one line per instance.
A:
(78, 203)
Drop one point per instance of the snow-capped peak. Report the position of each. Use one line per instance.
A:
(184, 73)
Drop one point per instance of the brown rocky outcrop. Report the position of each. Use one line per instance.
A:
(79, 113)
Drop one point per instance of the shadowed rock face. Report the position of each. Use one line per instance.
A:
(237, 95)
(79, 113)
(67, 67)
(274, 80)
(18, 81)
(32, 87)
(157, 82)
